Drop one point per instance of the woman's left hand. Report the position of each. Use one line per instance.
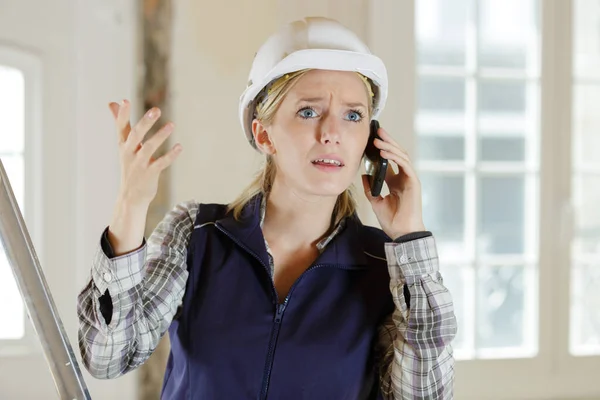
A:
(401, 211)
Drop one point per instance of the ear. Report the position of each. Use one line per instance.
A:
(261, 137)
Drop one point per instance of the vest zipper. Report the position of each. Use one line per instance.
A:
(280, 308)
(277, 326)
(271, 352)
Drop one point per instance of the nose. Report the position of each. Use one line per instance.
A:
(330, 130)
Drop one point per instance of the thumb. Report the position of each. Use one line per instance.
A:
(367, 189)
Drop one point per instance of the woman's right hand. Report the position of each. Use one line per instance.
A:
(140, 171)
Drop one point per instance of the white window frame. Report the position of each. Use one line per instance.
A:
(30, 66)
(553, 372)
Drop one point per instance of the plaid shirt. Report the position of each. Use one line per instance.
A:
(130, 301)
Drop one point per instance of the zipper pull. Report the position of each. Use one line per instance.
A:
(280, 310)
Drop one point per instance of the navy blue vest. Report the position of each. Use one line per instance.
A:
(234, 340)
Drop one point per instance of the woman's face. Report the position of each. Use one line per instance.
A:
(319, 133)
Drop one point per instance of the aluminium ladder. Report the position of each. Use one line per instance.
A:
(36, 295)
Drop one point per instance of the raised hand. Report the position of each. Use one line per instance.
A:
(140, 171)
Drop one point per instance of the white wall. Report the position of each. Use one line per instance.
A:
(87, 54)
(106, 55)
(213, 46)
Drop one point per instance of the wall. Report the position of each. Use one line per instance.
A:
(106, 55)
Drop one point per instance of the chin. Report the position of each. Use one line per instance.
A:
(327, 189)
(321, 185)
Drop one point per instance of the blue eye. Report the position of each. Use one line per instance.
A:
(307, 113)
(354, 116)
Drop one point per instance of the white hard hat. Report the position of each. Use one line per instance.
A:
(311, 43)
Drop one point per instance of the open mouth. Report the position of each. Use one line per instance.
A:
(327, 162)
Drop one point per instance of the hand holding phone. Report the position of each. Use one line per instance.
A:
(375, 165)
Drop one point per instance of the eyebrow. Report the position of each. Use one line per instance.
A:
(320, 99)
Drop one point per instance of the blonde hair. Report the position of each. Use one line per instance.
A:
(267, 104)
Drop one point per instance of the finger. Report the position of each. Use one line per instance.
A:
(142, 127)
(402, 163)
(387, 137)
(389, 173)
(395, 148)
(166, 160)
(389, 149)
(367, 187)
(390, 177)
(123, 125)
(152, 144)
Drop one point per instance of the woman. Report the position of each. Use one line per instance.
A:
(282, 294)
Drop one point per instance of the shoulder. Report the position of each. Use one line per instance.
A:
(181, 214)
(189, 213)
(369, 235)
(373, 234)
(209, 213)
(175, 227)
(372, 240)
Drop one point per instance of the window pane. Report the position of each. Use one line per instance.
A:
(587, 218)
(443, 209)
(441, 105)
(449, 147)
(501, 307)
(503, 107)
(472, 119)
(585, 310)
(441, 31)
(501, 215)
(508, 30)
(586, 127)
(506, 98)
(585, 272)
(441, 95)
(12, 97)
(498, 148)
(587, 38)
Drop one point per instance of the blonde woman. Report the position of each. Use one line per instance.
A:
(282, 294)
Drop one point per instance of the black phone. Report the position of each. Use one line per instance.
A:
(375, 165)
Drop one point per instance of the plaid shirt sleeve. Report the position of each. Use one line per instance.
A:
(145, 288)
(414, 348)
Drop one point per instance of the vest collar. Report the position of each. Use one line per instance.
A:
(345, 249)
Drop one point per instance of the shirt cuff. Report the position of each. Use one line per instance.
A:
(106, 246)
(117, 274)
(412, 258)
(105, 243)
(412, 236)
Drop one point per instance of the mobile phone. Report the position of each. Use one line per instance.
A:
(375, 165)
